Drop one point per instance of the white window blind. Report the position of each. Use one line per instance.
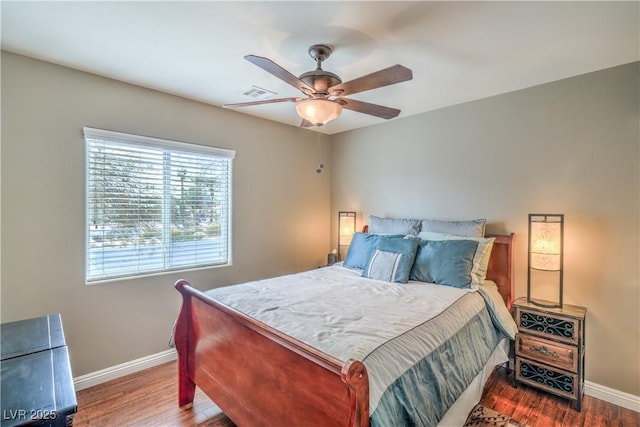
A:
(155, 205)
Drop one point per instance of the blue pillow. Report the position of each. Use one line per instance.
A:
(360, 250)
(445, 262)
(391, 226)
(392, 259)
(471, 228)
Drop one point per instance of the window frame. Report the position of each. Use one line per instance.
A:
(156, 144)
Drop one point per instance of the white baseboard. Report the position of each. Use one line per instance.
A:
(626, 400)
(108, 374)
(620, 398)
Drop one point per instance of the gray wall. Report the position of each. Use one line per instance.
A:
(281, 205)
(569, 147)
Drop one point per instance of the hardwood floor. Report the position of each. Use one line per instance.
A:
(539, 409)
(149, 398)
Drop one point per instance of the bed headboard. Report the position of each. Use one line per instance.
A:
(500, 268)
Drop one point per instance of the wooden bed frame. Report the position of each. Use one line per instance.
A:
(259, 376)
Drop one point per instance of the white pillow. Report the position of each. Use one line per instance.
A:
(480, 259)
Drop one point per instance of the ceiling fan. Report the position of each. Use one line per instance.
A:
(325, 91)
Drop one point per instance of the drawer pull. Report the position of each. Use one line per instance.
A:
(544, 351)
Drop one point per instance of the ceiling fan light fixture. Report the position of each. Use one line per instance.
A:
(318, 111)
(325, 90)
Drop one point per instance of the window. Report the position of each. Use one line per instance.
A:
(155, 205)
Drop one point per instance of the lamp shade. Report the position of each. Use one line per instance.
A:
(318, 111)
(546, 243)
(545, 271)
(346, 228)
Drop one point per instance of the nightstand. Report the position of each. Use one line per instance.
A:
(549, 348)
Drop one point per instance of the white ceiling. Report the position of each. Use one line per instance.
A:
(458, 51)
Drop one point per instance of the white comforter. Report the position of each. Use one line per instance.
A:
(349, 317)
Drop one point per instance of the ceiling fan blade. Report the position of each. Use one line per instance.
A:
(386, 77)
(266, 101)
(367, 108)
(306, 123)
(271, 67)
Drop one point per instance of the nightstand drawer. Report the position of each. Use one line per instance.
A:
(546, 325)
(548, 352)
(553, 380)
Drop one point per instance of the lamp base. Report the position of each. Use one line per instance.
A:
(543, 303)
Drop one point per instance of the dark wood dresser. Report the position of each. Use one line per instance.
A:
(37, 385)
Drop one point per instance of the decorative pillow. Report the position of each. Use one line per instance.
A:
(481, 257)
(379, 225)
(472, 228)
(385, 265)
(360, 250)
(445, 262)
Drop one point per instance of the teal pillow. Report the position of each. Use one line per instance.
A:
(392, 259)
(445, 262)
(481, 258)
(360, 250)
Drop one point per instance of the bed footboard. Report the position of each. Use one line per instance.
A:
(260, 376)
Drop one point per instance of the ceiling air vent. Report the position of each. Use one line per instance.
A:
(258, 94)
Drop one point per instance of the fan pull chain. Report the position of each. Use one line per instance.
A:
(320, 164)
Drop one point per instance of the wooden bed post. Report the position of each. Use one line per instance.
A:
(186, 386)
(354, 374)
